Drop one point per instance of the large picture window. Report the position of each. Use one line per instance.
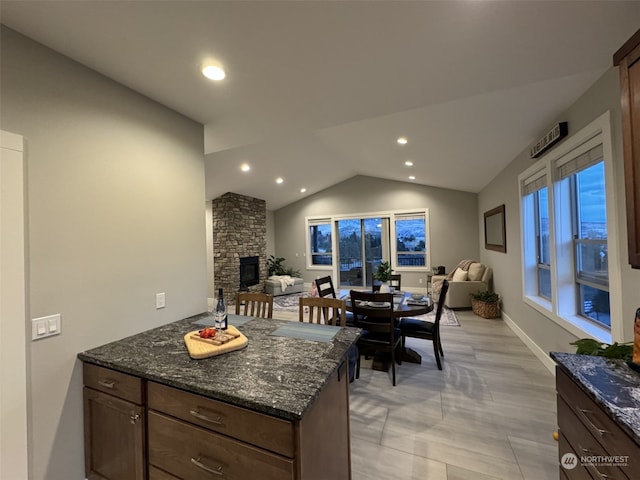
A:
(411, 246)
(353, 246)
(566, 235)
(320, 242)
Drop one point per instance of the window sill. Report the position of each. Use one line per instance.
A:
(574, 324)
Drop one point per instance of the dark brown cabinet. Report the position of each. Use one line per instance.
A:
(627, 58)
(602, 449)
(135, 427)
(114, 425)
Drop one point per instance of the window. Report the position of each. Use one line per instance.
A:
(353, 245)
(541, 202)
(567, 252)
(411, 237)
(587, 193)
(320, 242)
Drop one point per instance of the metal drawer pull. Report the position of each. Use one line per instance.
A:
(216, 471)
(106, 383)
(134, 418)
(599, 475)
(584, 450)
(197, 414)
(583, 414)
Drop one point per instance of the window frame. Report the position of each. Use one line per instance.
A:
(310, 253)
(332, 219)
(562, 308)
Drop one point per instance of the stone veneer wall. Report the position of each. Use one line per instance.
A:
(239, 230)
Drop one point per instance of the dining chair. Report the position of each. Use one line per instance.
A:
(324, 286)
(327, 311)
(254, 304)
(413, 327)
(373, 312)
(394, 282)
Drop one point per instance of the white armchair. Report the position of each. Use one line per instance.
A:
(463, 283)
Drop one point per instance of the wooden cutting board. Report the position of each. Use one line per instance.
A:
(204, 348)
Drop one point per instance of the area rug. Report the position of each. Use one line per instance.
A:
(291, 303)
(448, 317)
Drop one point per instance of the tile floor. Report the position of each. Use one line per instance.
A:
(489, 414)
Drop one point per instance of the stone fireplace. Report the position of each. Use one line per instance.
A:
(239, 232)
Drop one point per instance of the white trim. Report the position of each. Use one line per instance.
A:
(391, 214)
(598, 131)
(540, 354)
(14, 450)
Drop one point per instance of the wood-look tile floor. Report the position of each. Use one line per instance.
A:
(489, 414)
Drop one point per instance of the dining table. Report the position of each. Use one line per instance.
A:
(403, 306)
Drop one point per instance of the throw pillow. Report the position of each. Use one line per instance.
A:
(459, 275)
(476, 270)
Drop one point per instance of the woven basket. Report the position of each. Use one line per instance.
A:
(486, 309)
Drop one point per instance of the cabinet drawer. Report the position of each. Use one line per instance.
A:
(576, 473)
(585, 445)
(114, 383)
(256, 428)
(157, 474)
(193, 453)
(613, 440)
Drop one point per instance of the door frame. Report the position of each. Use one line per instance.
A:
(14, 451)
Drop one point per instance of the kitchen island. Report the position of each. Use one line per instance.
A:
(598, 416)
(277, 409)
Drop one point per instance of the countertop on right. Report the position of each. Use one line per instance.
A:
(610, 383)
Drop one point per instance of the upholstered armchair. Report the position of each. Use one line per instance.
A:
(463, 283)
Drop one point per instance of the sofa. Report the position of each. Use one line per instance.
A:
(279, 285)
(462, 283)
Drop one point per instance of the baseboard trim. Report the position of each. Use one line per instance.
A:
(531, 345)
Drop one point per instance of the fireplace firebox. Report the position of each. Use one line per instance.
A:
(249, 272)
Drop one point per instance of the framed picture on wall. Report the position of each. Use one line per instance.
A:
(495, 236)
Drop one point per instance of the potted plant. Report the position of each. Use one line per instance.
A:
(486, 304)
(383, 274)
(275, 267)
(589, 346)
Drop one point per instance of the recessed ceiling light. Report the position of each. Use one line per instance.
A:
(245, 167)
(302, 190)
(213, 72)
(279, 180)
(409, 163)
(412, 177)
(402, 141)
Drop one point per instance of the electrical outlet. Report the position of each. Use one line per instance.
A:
(420, 281)
(160, 300)
(44, 327)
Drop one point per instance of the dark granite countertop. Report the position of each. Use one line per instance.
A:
(276, 375)
(610, 383)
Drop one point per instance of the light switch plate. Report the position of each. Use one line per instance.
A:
(160, 300)
(44, 327)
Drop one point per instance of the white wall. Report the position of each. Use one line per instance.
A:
(453, 219)
(115, 215)
(13, 310)
(548, 336)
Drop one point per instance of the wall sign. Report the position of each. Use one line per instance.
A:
(548, 140)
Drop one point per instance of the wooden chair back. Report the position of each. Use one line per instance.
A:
(254, 304)
(327, 311)
(325, 287)
(380, 333)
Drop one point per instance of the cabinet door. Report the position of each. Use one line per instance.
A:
(628, 58)
(114, 434)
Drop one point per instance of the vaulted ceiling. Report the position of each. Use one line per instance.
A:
(319, 91)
